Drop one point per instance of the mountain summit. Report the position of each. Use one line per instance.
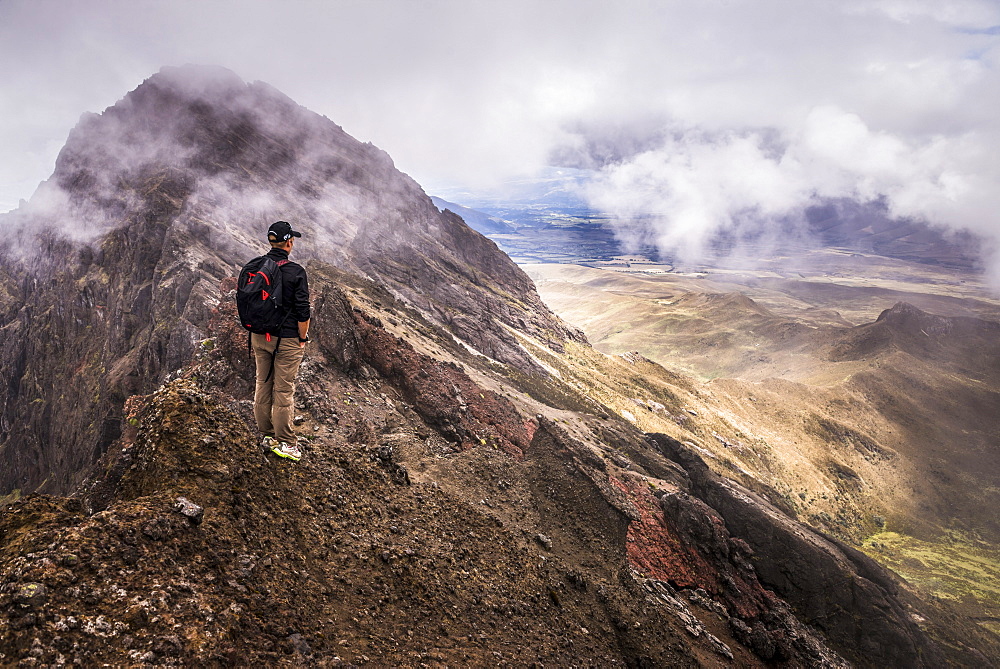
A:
(237, 153)
(118, 255)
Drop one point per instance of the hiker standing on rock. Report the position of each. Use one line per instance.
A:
(273, 301)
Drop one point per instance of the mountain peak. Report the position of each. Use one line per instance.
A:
(236, 156)
(908, 319)
(904, 327)
(902, 312)
(168, 192)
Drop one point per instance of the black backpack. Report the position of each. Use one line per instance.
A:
(258, 296)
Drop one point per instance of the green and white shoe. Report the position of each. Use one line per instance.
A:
(269, 443)
(286, 450)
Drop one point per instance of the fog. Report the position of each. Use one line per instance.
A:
(699, 117)
(234, 157)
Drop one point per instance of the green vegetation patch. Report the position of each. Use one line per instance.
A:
(956, 568)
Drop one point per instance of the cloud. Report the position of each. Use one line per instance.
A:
(959, 13)
(470, 94)
(941, 178)
(695, 185)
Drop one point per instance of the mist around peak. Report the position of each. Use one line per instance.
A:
(228, 157)
(235, 139)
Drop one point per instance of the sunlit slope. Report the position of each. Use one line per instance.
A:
(885, 425)
(701, 326)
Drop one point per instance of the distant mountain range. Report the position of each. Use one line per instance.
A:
(479, 221)
(868, 228)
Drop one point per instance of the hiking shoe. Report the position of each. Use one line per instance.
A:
(287, 450)
(269, 443)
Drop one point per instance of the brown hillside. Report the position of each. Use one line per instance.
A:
(882, 434)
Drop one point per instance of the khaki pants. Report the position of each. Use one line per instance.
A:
(274, 400)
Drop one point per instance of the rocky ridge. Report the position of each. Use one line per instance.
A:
(432, 521)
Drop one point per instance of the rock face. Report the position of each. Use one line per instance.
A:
(852, 599)
(166, 193)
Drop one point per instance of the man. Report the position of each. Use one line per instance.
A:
(274, 399)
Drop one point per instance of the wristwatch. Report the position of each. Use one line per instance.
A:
(305, 341)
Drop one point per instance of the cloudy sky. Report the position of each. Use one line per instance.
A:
(699, 112)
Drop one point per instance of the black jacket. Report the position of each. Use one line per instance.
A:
(294, 293)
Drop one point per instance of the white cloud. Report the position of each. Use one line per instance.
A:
(692, 187)
(695, 185)
(953, 12)
(890, 97)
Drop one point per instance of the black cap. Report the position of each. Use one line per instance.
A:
(281, 231)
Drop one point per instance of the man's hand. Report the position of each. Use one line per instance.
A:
(303, 333)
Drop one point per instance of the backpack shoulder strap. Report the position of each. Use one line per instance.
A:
(254, 262)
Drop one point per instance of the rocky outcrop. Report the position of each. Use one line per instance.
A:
(855, 602)
(95, 325)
